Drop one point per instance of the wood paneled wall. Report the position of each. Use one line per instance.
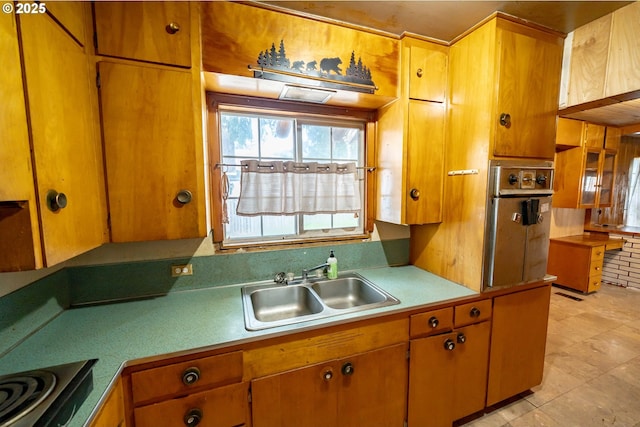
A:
(629, 149)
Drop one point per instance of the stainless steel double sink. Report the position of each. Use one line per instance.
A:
(271, 305)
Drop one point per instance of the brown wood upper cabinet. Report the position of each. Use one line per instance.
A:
(427, 71)
(152, 153)
(525, 115)
(411, 138)
(52, 204)
(585, 174)
(147, 31)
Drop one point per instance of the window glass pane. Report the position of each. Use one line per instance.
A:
(239, 135)
(345, 220)
(317, 222)
(346, 143)
(316, 142)
(279, 225)
(233, 175)
(276, 138)
(241, 226)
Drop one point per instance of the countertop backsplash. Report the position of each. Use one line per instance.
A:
(27, 309)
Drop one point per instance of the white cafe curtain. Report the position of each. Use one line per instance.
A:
(289, 188)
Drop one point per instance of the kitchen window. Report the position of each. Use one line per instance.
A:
(632, 217)
(267, 135)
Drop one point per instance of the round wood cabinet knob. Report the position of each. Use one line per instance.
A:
(434, 322)
(348, 369)
(193, 417)
(419, 72)
(184, 196)
(56, 201)
(191, 376)
(505, 120)
(172, 28)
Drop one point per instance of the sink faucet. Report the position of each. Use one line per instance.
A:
(306, 272)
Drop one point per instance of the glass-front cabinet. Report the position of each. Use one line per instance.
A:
(597, 178)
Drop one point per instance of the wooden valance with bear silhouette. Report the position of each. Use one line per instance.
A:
(242, 39)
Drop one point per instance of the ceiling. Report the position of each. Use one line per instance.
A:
(445, 20)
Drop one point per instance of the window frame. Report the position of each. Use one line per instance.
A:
(304, 111)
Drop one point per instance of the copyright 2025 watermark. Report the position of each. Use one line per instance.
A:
(24, 8)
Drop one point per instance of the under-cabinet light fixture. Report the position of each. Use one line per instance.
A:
(306, 94)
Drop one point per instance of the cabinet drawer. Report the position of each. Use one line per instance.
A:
(595, 283)
(221, 407)
(597, 253)
(431, 322)
(474, 312)
(185, 376)
(595, 267)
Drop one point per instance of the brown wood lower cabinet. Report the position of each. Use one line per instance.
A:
(367, 389)
(422, 369)
(518, 339)
(448, 372)
(112, 412)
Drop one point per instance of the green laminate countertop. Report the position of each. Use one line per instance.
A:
(183, 322)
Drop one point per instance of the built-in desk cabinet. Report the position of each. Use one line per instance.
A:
(577, 261)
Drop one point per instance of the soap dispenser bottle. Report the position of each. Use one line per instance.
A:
(332, 270)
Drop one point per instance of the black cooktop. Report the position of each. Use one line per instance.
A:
(44, 397)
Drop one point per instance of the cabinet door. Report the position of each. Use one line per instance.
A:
(305, 397)
(65, 138)
(373, 389)
(19, 241)
(518, 338)
(593, 135)
(446, 383)
(470, 372)
(431, 367)
(589, 178)
(368, 389)
(425, 162)
(150, 152)
(148, 31)
(569, 132)
(606, 178)
(528, 93)
(427, 74)
(612, 138)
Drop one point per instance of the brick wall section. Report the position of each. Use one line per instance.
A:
(622, 267)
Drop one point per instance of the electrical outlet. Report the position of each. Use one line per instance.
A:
(182, 270)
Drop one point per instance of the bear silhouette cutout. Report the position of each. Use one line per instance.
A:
(331, 64)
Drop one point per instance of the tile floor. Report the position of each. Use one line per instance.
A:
(592, 366)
